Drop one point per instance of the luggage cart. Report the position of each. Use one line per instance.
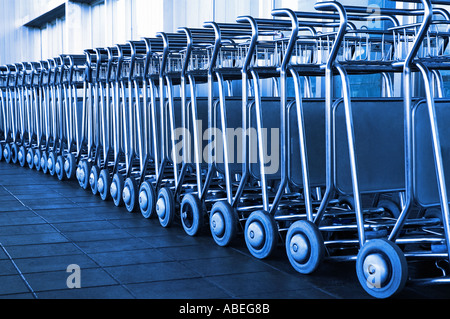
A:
(88, 150)
(10, 148)
(381, 266)
(3, 109)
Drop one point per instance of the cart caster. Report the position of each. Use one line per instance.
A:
(165, 207)
(305, 247)
(30, 158)
(381, 268)
(37, 159)
(390, 208)
(7, 153)
(130, 194)
(192, 215)
(59, 168)
(261, 234)
(14, 153)
(116, 189)
(223, 223)
(51, 163)
(104, 181)
(69, 166)
(94, 174)
(21, 156)
(44, 162)
(82, 174)
(147, 200)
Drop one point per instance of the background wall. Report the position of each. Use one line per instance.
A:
(33, 30)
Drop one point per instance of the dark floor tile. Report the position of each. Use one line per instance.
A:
(151, 272)
(112, 245)
(99, 234)
(108, 292)
(26, 229)
(32, 239)
(131, 257)
(57, 280)
(7, 268)
(239, 285)
(12, 285)
(53, 263)
(30, 251)
(197, 288)
(84, 226)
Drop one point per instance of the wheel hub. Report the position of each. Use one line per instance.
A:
(161, 208)
(143, 200)
(92, 179)
(20, 156)
(50, 164)
(299, 248)
(126, 195)
(67, 166)
(58, 168)
(114, 190)
(36, 160)
(376, 270)
(100, 185)
(255, 235)
(29, 158)
(5, 153)
(218, 224)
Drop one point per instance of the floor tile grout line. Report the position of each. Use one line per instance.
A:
(78, 247)
(19, 271)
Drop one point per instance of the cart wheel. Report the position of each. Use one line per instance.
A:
(7, 153)
(103, 184)
(147, 200)
(381, 268)
(390, 208)
(223, 223)
(261, 234)
(116, 189)
(82, 174)
(44, 162)
(192, 215)
(129, 194)
(14, 153)
(37, 159)
(165, 207)
(69, 166)
(51, 163)
(93, 179)
(59, 168)
(21, 156)
(30, 158)
(305, 247)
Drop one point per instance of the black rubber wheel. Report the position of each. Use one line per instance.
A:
(44, 162)
(37, 159)
(305, 247)
(165, 207)
(14, 153)
(22, 156)
(70, 166)
(7, 153)
(103, 184)
(116, 189)
(192, 215)
(147, 200)
(261, 234)
(93, 179)
(381, 268)
(30, 158)
(223, 222)
(130, 194)
(51, 163)
(391, 208)
(83, 170)
(59, 168)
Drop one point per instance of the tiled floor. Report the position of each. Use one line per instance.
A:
(46, 225)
